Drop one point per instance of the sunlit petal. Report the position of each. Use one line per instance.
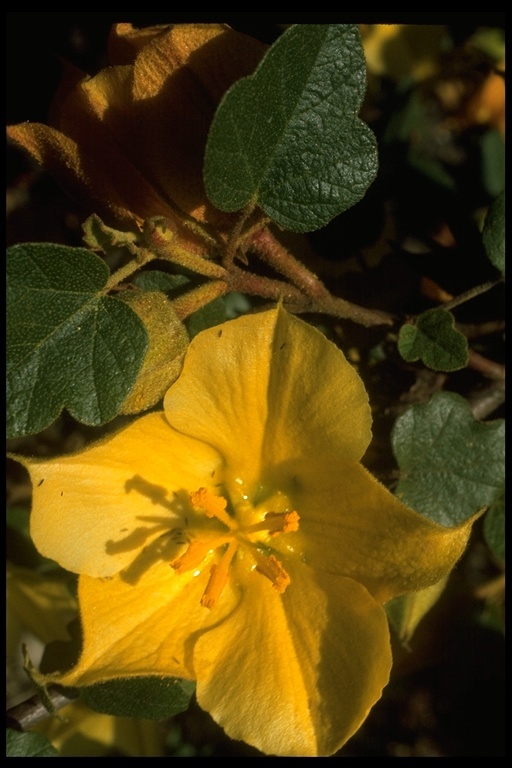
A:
(152, 630)
(253, 391)
(93, 511)
(302, 661)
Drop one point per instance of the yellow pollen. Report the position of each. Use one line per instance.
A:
(212, 506)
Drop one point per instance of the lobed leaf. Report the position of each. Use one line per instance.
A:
(450, 465)
(434, 339)
(68, 345)
(288, 137)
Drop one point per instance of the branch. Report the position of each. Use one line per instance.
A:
(32, 711)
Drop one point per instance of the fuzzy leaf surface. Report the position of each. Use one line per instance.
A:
(68, 344)
(289, 137)
(434, 339)
(151, 698)
(29, 745)
(451, 465)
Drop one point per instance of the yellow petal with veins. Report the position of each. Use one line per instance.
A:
(95, 511)
(268, 405)
(302, 660)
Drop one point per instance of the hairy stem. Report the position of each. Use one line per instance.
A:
(472, 293)
(144, 256)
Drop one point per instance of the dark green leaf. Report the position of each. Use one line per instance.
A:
(29, 745)
(212, 313)
(494, 527)
(156, 280)
(450, 464)
(152, 698)
(434, 338)
(68, 345)
(492, 149)
(288, 137)
(493, 234)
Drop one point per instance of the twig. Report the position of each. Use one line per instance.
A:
(32, 711)
(486, 367)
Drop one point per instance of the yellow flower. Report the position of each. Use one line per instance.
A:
(129, 143)
(235, 539)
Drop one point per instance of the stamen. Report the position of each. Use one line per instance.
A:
(272, 569)
(218, 577)
(282, 522)
(276, 522)
(212, 506)
(195, 554)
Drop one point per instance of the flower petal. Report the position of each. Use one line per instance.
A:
(295, 675)
(37, 603)
(352, 525)
(178, 80)
(79, 173)
(94, 511)
(251, 388)
(317, 403)
(125, 41)
(145, 629)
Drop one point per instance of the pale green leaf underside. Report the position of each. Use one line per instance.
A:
(68, 345)
(288, 137)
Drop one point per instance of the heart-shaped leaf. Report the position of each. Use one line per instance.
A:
(68, 344)
(450, 464)
(435, 340)
(288, 137)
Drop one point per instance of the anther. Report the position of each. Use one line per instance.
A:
(212, 506)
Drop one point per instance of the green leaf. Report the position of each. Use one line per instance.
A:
(68, 345)
(212, 313)
(493, 234)
(29, 745)
(288, 137)
(435, 340)
(152, 698)
(492, 149)
(156, 280)
(494, 527)
(406, 611)
(451, 465)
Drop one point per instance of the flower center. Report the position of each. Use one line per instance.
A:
(246, 530)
